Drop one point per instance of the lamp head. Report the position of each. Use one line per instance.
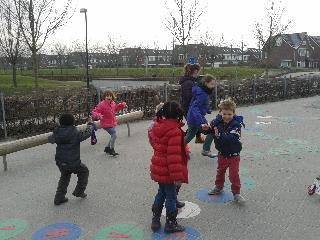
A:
(83, 10)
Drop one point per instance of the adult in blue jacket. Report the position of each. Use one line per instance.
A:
(198, 109)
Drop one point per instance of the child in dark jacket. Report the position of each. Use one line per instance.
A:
(199, 107)
(68, 138)
(187, 82)
(227, 132)
(168, 164)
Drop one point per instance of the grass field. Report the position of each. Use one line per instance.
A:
(220, 73)
(26, 83)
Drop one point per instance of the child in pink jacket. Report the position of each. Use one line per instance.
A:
(106, 111)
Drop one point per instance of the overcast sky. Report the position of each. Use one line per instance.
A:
(141, 21)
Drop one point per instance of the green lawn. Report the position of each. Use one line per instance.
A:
(26, 83)
(220, 73)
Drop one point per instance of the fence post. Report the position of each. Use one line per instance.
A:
(4, 158)
(216, 96)
(285, 88)
(165, 92)
(254, 93)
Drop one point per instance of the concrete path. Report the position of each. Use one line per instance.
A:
(280, 158)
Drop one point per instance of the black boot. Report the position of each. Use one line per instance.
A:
(113, 152)
(60, 200)
(156, 224)
(172, 225)
(107, 150)
(179, 204)
(79, 195)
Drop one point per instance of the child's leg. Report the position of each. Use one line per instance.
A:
(191, 133)
(83, 174)
(160, 197)
(171, 197)
(113, 134)
(208, 142)
(63, 184)
(221, 171)
(234, 174)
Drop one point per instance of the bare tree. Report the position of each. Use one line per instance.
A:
(62, 53)
(38, 20)
(212, 45)
(183, 19)
(273, 25)
(113, 47)
(11, 44)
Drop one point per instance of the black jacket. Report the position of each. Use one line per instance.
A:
(187, 84)
(68, 144)
(228, 141)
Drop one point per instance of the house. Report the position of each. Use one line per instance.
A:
(293, 50)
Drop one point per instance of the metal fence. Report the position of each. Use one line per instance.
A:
(27, 115)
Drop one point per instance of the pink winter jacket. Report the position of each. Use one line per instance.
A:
(106, 112)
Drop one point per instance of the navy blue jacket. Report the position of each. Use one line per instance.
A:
(199, 107)
(68, 144)
(187, 84)
(228, 141)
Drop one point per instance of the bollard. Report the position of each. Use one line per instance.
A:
(3, 116)
(254, 91)
(5, 164)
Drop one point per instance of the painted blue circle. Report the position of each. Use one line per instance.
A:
(224, 197)
(58, 231)
(188, 234)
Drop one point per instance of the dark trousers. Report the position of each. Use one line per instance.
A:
(167, 194)
(66, 171)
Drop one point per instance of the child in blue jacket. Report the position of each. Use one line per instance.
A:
(199, 107)
(226, 129)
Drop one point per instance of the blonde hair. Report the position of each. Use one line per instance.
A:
(227, 104)
(207, 78)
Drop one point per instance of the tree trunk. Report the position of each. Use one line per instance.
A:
(14, 75)
(35, 68)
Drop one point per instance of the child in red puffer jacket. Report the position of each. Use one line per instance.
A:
(106, 111)
(168, 164)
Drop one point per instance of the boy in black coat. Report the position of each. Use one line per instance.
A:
(68, 138)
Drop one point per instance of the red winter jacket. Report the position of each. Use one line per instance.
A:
(169, 160)
(106, 112)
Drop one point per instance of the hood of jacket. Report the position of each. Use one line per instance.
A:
(163, 126)
(64, 135)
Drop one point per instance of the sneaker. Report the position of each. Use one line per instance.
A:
(200, 139)
(208, 154)
(107, 150)
(172, 225)
(215, 191)
(239, 199)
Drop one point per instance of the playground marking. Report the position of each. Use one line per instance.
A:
(58, 231)
(12, 228)
(190, 210)
(121, 231)
(188, 234)
(221, 198)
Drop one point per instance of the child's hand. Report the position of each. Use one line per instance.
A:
(205, 127)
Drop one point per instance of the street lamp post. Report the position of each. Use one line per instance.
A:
(84, 10)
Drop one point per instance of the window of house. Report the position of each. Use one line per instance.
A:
(279, 42)
(124, 58)
(302, 52)
(181, 57)
(152, 58)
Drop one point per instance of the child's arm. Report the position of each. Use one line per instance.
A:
(120, 106)
(83, 135)
(200, 119)
(175, 155)
(97, 112)
(232, 137)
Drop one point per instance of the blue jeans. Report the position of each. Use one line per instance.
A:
(113, 134)
(166, 193)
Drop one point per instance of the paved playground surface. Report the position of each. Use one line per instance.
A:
(280, 158)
